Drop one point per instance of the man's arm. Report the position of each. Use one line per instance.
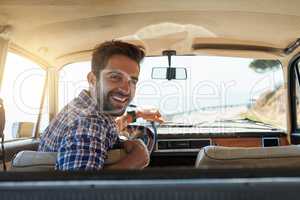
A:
(80, 152)
(84, 149)
(137, 156)
(84, 146)
(84, 157)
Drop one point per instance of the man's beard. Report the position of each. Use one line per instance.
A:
(104, 103)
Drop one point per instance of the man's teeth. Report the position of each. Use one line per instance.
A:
(121, 99)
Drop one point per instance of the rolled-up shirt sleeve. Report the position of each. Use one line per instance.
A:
(85, 145)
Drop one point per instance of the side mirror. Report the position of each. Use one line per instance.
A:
(169, 73)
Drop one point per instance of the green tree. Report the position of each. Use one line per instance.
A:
(262, 66)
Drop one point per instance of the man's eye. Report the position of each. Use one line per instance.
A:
(133, 82)
(115, 77)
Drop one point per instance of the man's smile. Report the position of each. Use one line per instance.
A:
(119, 99)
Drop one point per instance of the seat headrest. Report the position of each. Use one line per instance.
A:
(45, 161)
(34, 161)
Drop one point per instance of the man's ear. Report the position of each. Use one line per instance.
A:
(91, 78)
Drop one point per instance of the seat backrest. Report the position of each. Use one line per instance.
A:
(45, 161)
(254, 157)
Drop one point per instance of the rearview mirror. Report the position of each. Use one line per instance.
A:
(169, 73)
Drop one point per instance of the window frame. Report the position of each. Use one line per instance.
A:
(293, 79)
(42, 64)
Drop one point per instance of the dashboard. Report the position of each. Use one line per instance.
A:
(179, 145)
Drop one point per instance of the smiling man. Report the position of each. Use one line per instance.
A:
(87, 128)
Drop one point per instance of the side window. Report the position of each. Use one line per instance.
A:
(72, 80)
(297, 93)
(22, 89)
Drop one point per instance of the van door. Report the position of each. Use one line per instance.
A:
(294, 100)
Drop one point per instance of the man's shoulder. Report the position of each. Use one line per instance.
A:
(75, 111)
(81, 115)
(83, 104)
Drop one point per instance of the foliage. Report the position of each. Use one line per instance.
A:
(262, 66)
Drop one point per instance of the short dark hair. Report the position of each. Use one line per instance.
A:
(104, 51)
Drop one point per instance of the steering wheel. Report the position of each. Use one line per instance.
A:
(147, 135)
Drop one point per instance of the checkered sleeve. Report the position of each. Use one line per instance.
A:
(85, 146)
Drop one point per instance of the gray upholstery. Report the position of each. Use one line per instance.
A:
(254, 157)
(45, 161)
(34, 161)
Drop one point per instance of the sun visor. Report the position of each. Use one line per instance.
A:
(87, 54)
(237, 48)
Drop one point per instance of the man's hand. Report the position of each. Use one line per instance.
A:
(137, 156)
(150, 114)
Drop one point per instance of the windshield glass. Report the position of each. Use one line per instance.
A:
(216, 89)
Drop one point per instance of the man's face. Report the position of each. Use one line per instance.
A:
(116, 85)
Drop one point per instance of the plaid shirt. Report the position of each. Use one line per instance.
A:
(80, 134)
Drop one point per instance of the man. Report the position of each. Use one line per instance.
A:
(86, 128)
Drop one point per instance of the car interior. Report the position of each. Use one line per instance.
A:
(225, 75)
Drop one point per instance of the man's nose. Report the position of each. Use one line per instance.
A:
(126, 86)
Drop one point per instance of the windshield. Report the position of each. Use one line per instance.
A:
(216, 89)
